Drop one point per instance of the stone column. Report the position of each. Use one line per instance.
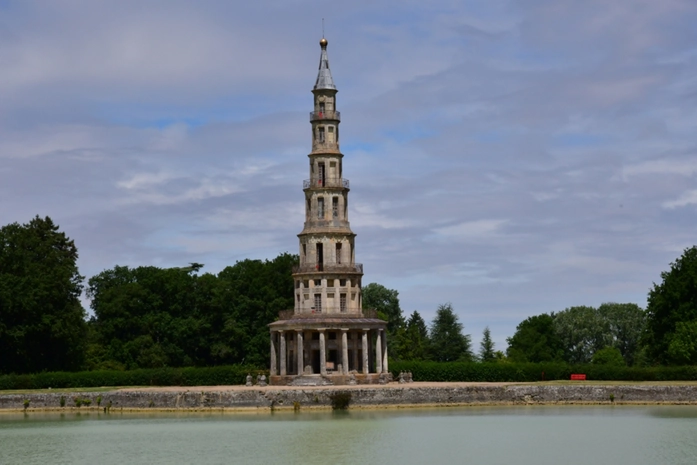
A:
(354, 343)
(283, 352)
(344, 351)
(322, 354)
(272, 371)
(300, 351)
(365, 352)
(378, 351)
(384, 352)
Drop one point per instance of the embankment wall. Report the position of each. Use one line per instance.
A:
(433, 394)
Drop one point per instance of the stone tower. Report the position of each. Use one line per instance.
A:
(327, 333)
(328, 279)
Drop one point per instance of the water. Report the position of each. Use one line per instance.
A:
(473, 435)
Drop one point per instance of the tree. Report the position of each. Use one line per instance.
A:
(42, 323)
(535, 341)
(608, 356)
(682, 349)
(486, 347)
(152, 317)
(582, 331)
(417, 343)
(386, 302)
(448, 344)
(626, 324)
(672, 302)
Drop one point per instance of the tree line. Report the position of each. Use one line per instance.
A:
(149, 317)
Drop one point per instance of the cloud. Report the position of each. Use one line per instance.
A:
(685, 199)
(512, 158)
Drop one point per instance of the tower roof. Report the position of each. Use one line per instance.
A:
(324, 75)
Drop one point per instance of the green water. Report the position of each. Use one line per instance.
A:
(492, 435)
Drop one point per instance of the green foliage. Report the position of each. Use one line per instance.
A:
(189, 376)
(149, 317)
(626, 324)
(535, 341)
(99, 400)
(411, 341)
(608, 356)
(486, 347)
(386, 302)
(682, 347)
(672, 302)
(448, 344)
(26, 404)
(577, 333)
(530, 372)
(340, 400)
(582, 331)
(42, 323)
(62, 401)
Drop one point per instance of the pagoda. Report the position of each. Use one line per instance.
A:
(327, 338)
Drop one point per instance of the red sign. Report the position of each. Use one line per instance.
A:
(578, 377)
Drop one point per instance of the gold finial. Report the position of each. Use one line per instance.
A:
(323, 42)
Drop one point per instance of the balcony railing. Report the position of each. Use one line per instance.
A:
(326, 182)
(328, 267)
(290, 314)
(319, 115)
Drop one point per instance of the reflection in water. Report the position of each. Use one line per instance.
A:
(472, 435)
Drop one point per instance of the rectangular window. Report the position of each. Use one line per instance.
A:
(338, 253)
(342, 282)
(321, 134)
(318, 303)
(322, 174)
(342, 302)
(321, 108)
(330, 137)
(320, 257)
(318, 282)
(335, 207)
(320, 208)
(304, 250)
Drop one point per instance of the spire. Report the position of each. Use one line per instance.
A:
(324, 76)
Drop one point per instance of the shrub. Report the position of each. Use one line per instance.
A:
(340, 400)
(62, 401)
(530, 372)
(189, 376)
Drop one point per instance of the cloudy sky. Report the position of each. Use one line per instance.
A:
(509, 157)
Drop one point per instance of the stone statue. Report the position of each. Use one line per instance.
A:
(249, 380)
(401, 378)
(383, 378)
(262, 381)
(352, 379)
(409, 378)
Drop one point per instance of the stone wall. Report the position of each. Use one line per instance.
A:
(368, 397)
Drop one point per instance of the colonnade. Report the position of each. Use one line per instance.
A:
(328, 351)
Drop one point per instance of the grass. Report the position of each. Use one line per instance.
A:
(566, 382)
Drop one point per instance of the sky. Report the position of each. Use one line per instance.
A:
(509, 157)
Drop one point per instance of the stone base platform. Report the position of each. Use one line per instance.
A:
(325, 380)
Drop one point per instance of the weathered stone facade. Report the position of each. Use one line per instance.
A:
(327, 335)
